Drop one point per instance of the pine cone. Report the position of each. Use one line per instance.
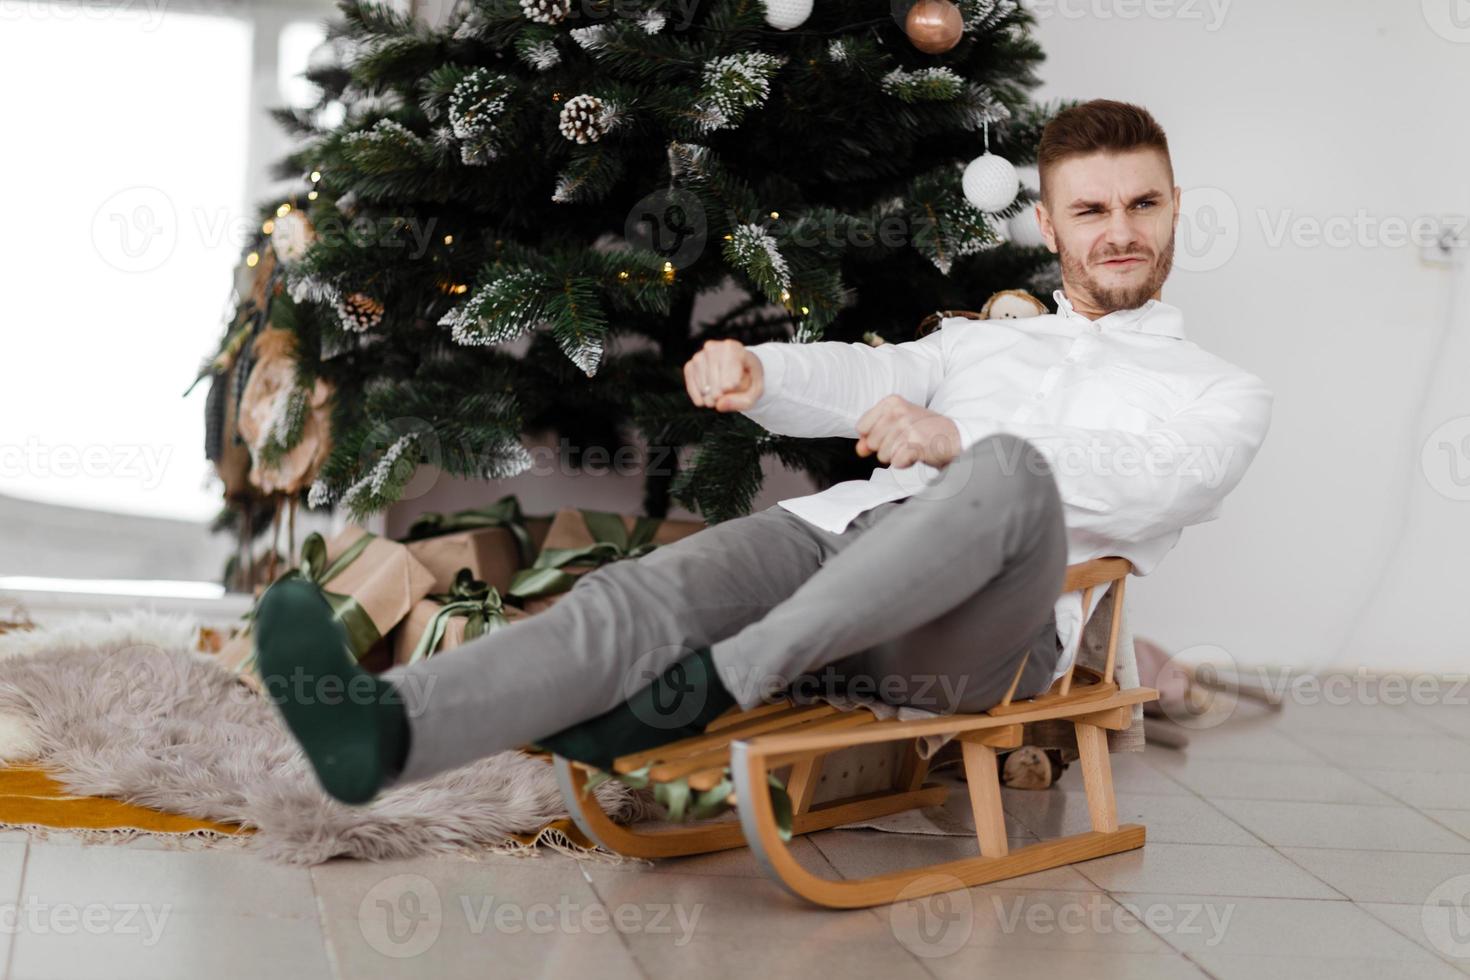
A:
(582, 119)
(546, 11)
(360, 313)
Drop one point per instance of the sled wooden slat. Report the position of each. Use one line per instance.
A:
(753, 745)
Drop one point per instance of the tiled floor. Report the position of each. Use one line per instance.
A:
(1321, 842)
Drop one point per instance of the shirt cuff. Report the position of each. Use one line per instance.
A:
(972, 430)
(773, 372)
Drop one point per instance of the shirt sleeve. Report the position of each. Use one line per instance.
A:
(1133, 486)
(822, 389)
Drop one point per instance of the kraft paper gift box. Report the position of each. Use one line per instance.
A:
(578, 541)
(493, 542)
(443, 622)
(371, 584)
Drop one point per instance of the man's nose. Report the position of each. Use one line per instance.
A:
(1122, 230)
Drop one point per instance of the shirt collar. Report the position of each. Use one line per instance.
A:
(1154, 317)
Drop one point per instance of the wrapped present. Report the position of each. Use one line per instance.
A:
(580, 540)
(492, 542)
(469, 610)
(371, 584)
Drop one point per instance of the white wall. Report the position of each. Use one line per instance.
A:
(1336, 550)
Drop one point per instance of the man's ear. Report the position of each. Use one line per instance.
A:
(1177, 197)
(1048, 232)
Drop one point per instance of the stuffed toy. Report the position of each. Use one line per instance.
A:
(1012, 304)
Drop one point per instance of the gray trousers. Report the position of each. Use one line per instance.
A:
(930, 601)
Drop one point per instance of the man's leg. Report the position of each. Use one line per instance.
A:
(621, 627)
(953, 585)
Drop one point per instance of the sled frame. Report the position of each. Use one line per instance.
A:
(758, 743)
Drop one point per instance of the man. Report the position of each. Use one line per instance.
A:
(1014, 448)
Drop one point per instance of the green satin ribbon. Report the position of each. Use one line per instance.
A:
(505, 512)
(479, 603)
(362, 632)
(612, 541)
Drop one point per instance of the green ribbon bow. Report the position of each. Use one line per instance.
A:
(505, 512)
(479, 603)
(612, 541)
(362, 632)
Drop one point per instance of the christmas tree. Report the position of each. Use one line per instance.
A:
(504, 223)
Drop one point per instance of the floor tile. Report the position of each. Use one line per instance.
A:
(1315, 782)
(459, 918)
(725, 957)
(1132, 773)
(972, 962)
(1415, 753)
(220, 882)
(1409, 922)
(1171, 819)
(1323, 712)
(1257, 741)
(1344, 826)
(1193, 869)
(113, 943)
(1380, 876)
(1272, 927)
(1456, 820)
(1447, 790)
(860, 853)
(1305, 968)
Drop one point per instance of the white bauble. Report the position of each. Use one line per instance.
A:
(1023, 229)
(991, 183)
(786, 14)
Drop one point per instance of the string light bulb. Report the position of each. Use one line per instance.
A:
(269, 228)
(252, 260)
(668, 272)
(785, 295)
(316, 175)
(311, 196)
(448, 239)
(283, 210)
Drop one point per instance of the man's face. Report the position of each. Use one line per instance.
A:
(1110, 217)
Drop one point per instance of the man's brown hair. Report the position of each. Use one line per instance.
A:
(1099, 126)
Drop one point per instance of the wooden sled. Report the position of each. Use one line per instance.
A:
(755, 744)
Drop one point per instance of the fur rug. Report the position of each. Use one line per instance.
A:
(124, 708)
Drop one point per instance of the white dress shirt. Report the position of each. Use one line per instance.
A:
(1145, 432)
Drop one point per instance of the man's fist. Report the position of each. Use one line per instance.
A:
(902, 434)
(724, 376)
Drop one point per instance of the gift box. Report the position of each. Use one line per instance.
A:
(371, 584)
(442, 622)
(493, 542)
(578, 541)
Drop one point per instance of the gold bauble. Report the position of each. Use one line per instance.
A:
(934, 26)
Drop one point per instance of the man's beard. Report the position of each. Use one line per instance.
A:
(1113, 298)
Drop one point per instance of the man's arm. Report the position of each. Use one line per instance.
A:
(822, 389)
(1130, 486)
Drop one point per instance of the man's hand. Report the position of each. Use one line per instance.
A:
(902, 434)
(724, 376)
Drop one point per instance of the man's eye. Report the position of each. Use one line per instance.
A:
(1145, 204)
